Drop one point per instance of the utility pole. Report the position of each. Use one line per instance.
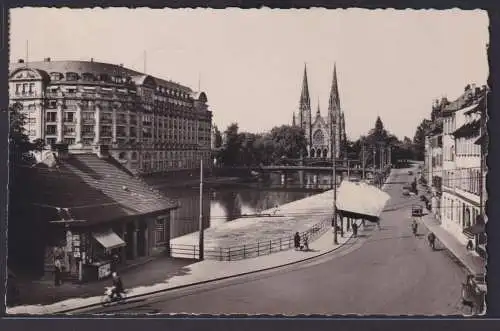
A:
(363, 159)
(334, 179)
(201, 212)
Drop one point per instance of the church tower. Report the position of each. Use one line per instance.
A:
(334, 113)
(305, 110)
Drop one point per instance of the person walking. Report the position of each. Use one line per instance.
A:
(57, 272)
(296, 241)
(355, 229)
(432, 240)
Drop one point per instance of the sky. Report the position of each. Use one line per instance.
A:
(250, 63)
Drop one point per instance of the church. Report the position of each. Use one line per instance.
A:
(318, 129)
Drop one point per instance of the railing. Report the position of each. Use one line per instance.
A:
(251, 250)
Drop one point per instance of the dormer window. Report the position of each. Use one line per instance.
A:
(103, 77)
(71, 76)
(88, 77)
(55, 76)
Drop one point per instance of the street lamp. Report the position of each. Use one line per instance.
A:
(334, 179)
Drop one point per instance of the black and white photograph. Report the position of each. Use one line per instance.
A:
(247, 161)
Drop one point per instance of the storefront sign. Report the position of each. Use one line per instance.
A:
(104, 270)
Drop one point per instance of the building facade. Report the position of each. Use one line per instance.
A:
(319, 129)
(463, 172)
(146, 123)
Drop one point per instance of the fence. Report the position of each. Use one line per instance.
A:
(246, 251)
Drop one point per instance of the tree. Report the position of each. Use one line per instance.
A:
(231, 146)
(20, 147)
(289, 141)
(218, 137)
(419, 138)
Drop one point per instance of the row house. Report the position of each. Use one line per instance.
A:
(462, 169)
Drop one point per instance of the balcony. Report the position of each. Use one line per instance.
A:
(88, 121)
(121, 121)
(106, 121)
(27, 95)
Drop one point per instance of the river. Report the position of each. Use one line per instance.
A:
(229, 202)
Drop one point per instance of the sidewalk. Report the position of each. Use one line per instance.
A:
(195, 273)
(474, 264)
(44, 292)
(181, 273)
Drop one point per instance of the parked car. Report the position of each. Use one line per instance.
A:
(410, 173)
(416, 211)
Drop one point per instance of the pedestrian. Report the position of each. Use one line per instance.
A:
(57, 271)
(432, 240)
(306, 242)
(363, 222)
(470, 245)
(296, 240)
(355, 229)
(378, 223)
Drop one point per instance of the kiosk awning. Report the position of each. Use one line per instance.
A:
(361, 199)
(108, 239)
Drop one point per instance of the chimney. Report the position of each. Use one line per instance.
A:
(20, 61)
(91, 59)
(121, 65)
(47, 59)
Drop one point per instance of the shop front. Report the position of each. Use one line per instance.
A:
(103, 256)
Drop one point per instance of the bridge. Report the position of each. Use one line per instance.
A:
(286, 165)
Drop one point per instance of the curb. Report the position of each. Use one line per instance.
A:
(452, 255)
(66, 311)
(205, 281)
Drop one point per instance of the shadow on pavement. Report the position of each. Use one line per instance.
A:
(159, 270)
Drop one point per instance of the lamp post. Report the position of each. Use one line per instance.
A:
(200, 237)
(334, 179)
(363, 160)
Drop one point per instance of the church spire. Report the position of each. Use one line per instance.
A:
(319, 111)
(334, 102)
(305, 102)
(293, 120)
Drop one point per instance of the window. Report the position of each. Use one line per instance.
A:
(88, 128)
(51, 129)
(69, 130)
(88, 77)
(55, 76)
(71, 76)
(52, 103)
(69, 141)
(69, 117)
(51, 141)
(51, 117)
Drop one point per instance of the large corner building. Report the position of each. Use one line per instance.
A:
(146, 123)
(319, 129)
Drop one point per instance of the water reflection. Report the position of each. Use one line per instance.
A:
(226, 204)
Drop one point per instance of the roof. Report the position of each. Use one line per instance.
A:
(94, 68)
(468, 129)
(84, 187)
(361, 199)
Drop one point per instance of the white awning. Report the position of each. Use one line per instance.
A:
(361, 198)
(108, 239)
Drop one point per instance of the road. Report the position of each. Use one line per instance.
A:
(386, 272)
